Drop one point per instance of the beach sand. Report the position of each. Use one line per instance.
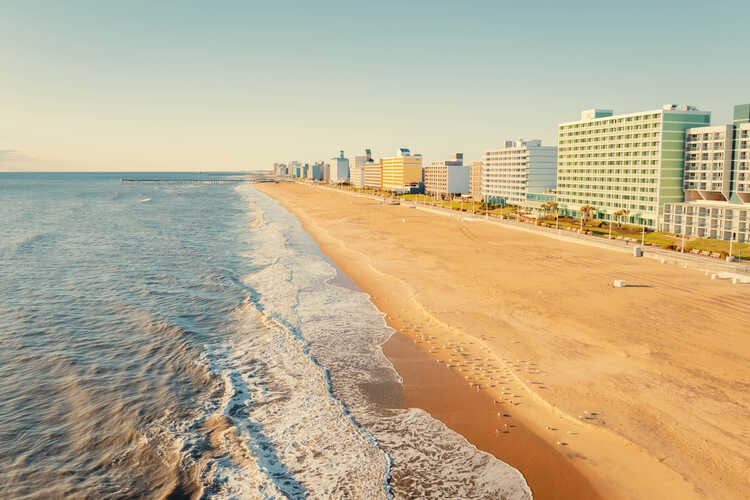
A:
(642, 392)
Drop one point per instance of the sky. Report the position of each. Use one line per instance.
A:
(237, 85)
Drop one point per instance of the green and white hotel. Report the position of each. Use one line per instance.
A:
(633, 161)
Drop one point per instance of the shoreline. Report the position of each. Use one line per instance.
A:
(530, 328)
(472, 413)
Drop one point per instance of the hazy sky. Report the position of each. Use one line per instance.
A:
(167, 85)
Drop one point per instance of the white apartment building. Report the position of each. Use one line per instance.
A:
(448, 176)
(708, 163)
(357, 166)
(741, 179)
(633, 161)
(374, 174)
(716, 183)
(508, 173)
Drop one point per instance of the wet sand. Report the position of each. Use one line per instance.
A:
(473, 414)
(643, 390)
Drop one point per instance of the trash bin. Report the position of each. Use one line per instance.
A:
(637, 252)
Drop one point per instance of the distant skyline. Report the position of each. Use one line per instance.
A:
(160, 86)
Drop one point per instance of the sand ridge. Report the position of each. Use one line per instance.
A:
(628, 381)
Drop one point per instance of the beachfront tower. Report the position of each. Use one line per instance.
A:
(446, 177)
(510, 172)
(716, 183)
(403, 172)
(374, 174)
(339, 169)
(632, 161)
(357, 166)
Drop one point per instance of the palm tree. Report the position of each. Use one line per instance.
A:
(586, 210)
(552, 206)
(621, 214)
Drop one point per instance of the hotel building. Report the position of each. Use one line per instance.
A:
(448, 176)
(508, 173)
(716, 182)
(476, 180)
(317, 171)
(339, 169)
(742, 161)
(357, 169)
(708, 163)
(403, 172)
(632, 161)
(374, 175)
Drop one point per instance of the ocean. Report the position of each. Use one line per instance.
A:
(192, 341)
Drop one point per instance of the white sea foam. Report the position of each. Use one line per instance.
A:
(296, 419)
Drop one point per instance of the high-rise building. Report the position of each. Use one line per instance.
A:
(317, 171)
(509, 173)
(741, 153)
(403, 172)
(339, 169)
(374, 174)
(280, 170)
(357, 168)
(708, 163)
(632, 161)
(716, 182)
(447, 176)
(476, 180)
(294, 168)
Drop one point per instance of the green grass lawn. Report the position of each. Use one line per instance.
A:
(713, 245)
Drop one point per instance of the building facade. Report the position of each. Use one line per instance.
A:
(741, 164)
(708, 163)
(509, 173)
(374, 175)
(403, 172)
(447, 176)
(339, 169)
(357, 166)
(632, 161)
(317, 171)
(280, 170)
(716, 183)
(476, 180)
(708, 220)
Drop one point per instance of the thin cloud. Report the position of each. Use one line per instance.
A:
(12, 160)
(8, 155)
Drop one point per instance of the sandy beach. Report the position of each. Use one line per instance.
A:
(643, 392)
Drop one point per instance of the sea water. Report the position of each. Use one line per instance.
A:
(191, 340)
